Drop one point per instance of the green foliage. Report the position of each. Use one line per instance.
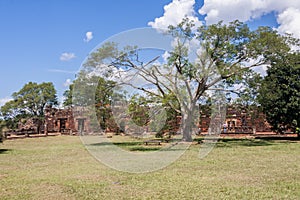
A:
(138, 110)
(103, 97)
(68, 96)
(280, 93)
(82, 91)
(96, 92)
(107, 51)
(247, 95)
(30, 101)
(250, 85)
(171, 125)
(221, 54)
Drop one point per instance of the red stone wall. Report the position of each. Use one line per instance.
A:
(238, 119)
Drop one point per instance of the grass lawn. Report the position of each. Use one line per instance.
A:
(61, 168)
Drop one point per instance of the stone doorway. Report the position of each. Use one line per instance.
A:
(62, 124)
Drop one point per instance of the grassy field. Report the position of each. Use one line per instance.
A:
(61, 168)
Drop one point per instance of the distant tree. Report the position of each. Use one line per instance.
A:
(68, 96)
(80, 93)
(247, 97)
(138, 110)
(30, 101)
(224, 51)
(279, 94)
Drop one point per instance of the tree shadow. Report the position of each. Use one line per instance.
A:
(124, 144)
(266, 141)
(141, 148)
(224, 142)
(136, 146)
(279, 137)
(4, 151)
(131, 146)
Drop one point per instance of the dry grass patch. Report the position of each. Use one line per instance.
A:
(61, 168)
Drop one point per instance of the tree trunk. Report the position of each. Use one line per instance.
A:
(46, 128)
(187, 124)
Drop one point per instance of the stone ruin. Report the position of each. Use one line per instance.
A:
(33, 124)
(74, 120)
(68, 121)
(238, 121)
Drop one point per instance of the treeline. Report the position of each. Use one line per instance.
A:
(228, 54)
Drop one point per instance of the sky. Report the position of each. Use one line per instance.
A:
(43, 41)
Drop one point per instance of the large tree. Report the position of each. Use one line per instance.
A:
(30, 101)
(280, 93)
(223, 55)
(95, 91)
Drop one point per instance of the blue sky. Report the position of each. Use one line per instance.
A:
(34, 34)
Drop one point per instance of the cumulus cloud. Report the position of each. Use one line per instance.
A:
(244, 10)
(228, 10)
(88, 36)
(67, 56)
(174, 13)
(289, 21)
(287, 12)
(67, 82)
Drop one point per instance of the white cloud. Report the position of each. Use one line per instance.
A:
(244, 10)
(289, 21)
(228, 10)
(67, 56)
(174, 13)
(288, 12)
(67, 82)
(4, 100)
(88, 36)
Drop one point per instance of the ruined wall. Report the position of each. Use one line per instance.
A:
(68, 120)
(34, 124)
(238, 120)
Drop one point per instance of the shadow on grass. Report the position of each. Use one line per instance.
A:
(137, 146)
(257, 141)
(279, 137)
(244, 142)
(3, 151)
(144, 149)
(124, 144)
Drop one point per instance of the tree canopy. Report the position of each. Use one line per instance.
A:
(223, 54)
(29, 101)
(92, 91)
(280, 93)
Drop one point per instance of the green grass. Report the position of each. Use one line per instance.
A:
(61, 168)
